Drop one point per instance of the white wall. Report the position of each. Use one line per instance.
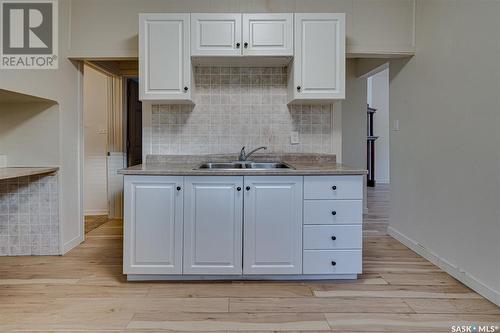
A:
(445, 160)
(95, 115)
(63, 86)
(375, 26)
(29, 133)
(378, 98)
(354, 118)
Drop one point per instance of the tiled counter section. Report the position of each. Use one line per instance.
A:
(29, 214)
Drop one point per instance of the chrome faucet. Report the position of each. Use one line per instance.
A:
(243, 155)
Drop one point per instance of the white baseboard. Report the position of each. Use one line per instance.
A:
(72, 244)
(382, 181)
(96, 212)
(464, 277)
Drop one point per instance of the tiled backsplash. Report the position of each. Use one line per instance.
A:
(29, 216)
(238, 106)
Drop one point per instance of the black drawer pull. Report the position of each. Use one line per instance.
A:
(334, 263)
(334, 187)
(248, 188)
(178, 188)
(334, 213)
(334, 238)
(238, 189)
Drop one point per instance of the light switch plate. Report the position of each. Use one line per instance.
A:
(395, 125)
(294, 138)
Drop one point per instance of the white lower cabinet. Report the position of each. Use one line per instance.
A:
(333, 216)
(273, 225)
(332, 261)
(243, 226)
(213, 211)
(153, 225)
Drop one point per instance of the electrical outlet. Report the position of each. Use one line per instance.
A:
(294, 138)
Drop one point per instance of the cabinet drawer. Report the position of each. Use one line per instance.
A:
(331, 237)
(333, 212)
(332, 262)
(333, 187)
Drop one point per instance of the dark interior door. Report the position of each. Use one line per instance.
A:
(134, 124)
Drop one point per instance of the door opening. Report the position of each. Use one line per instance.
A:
(134, 123)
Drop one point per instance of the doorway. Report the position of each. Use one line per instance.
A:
(378, 128)
(112, 137)
(134, 123)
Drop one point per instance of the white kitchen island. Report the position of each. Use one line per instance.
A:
(188, 224)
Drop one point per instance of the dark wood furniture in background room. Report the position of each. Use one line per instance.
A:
(370, 147)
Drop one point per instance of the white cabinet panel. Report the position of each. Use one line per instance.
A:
(273, 225)
(213, 225)
(332, 262)
(215, 34)
(333, 211)
(333, 187)
(331, 237)
(268, 34)
(319, 64)
(153, 225)
(164, 57)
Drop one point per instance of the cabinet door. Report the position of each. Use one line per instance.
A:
(215, 34)
(273, 225)
(319, 64)
(268, 34)
(213, 225)
(153, 225)
(164, 57)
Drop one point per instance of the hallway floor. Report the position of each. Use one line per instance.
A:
(84, 291)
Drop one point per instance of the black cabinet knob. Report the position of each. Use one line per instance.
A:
(238, 189)
(245, 44)
(237, 45)
(186, 88)
(298, 88)
(334, 213)
(248, 188)
(334, 187)
(334, 238)
(178, 188)
(334, 263)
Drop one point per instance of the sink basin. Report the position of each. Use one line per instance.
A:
(243, 165)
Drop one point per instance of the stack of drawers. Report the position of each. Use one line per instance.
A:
(333, 215)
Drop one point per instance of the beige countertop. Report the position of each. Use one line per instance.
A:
(302, 164)
(16, 172)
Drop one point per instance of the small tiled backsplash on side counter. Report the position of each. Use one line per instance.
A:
(29, 216)
(238, 106)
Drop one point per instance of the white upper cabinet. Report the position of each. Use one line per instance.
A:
(318, 69)
(213, 225)
(268, 34)
(215, 34)
(164, 57)
(273, 225)
(241, 34)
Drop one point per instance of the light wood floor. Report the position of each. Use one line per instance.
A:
(94, 221)
(84, 291)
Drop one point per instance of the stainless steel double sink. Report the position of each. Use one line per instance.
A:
(243, 165)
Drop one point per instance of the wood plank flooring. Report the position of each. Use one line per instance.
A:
(84, 291)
